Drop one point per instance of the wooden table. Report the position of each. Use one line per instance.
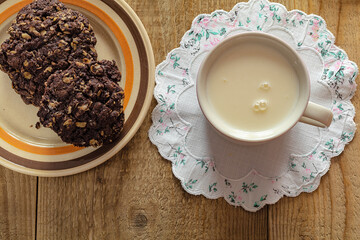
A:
(135, 196)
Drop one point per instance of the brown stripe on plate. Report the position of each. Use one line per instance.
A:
(144, 81)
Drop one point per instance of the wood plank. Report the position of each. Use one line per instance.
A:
(134, 195)
(332, 211)
(17, 205)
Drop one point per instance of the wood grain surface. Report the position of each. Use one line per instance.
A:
(135, 196)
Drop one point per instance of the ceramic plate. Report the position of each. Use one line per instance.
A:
(122, 37)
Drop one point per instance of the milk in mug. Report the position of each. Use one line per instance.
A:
(252, 87)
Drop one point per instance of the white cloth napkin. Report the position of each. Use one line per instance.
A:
(252, 176)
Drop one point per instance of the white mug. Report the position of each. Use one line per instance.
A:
(303, 111)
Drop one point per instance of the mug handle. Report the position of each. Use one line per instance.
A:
(317, 115)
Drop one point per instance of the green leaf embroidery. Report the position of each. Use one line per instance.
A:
(323, 156)
(330, 74)
(262, 6)
(263, 198)
(248, 188)
(232, 197)
(170, 88)
(203, 164)
(330, 144)
(346, 136)
(189, 184)
(212, 187)
(222, 31)
(176, 59)
(340, 107)
(340, 73)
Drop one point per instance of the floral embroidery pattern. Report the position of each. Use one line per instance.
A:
(257, 203)
(248, 188)
(190, 183)
(199, 174)
(206, 164)
(212, 187)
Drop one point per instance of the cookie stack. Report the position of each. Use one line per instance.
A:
(51, 60)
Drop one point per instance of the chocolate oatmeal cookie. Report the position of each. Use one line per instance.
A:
(45, 37)
(84, 103)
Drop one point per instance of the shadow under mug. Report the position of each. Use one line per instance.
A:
(304, 110)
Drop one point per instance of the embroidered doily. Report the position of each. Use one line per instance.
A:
(252, 176)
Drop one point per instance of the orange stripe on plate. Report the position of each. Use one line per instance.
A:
(34, 149)
(12, 10)
(128, 63)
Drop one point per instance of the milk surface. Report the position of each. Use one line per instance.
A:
(252, 87)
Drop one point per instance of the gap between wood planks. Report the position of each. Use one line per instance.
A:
(36, 206)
